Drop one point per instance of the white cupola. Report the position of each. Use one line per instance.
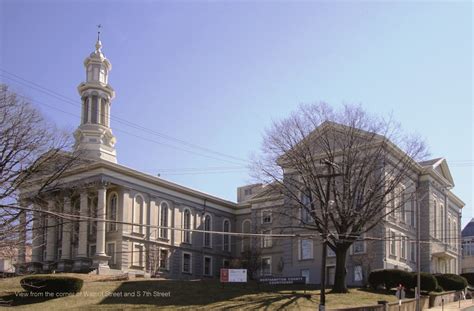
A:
(94, 136)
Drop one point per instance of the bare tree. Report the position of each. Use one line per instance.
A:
(340, 171)
(250, 259)
(33, 155)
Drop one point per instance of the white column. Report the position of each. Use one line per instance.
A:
(100, 243)
(67, 229)
(37, 236)
(82, 244)
(51, 234)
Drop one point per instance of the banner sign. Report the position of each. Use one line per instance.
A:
(283, 280)
(233, 275)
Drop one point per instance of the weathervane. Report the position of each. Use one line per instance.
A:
(98, 31)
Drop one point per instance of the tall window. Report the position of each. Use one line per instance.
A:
(94, 110)
(412, 212)
(138, 214)
(102, 111)
(413, 251)
(226, 228)
(266, 266)
(207, 227)
(207, 265)
(85, 111)
(246, 239)
(163, 263)
(164, 220)
(393, 243)
(306, 249)
(187, 225)
(187, 263)
(403, 247)
(111, 253)
(112, 212)
(267, 239)
(138, 255)
(93, 214)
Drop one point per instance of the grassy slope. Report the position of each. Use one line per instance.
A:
(185, 295)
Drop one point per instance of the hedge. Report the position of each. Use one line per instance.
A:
(427, 280)
(469, 277)
(51, 284)
(451, 281)
(391, 278)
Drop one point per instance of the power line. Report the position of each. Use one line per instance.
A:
(73, 102)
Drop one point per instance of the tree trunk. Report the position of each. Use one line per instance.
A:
(340, 275)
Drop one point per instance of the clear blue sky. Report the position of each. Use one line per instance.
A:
(217, 73)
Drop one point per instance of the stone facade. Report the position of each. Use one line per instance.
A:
(121, 220)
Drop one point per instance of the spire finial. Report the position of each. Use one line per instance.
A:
(98, 44)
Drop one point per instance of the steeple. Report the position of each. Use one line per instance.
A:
(94, 136)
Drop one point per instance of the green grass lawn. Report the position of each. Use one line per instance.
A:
(209, 294)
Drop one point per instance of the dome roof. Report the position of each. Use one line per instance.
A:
(468, 230)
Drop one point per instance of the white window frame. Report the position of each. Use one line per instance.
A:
(140, 262)
(166, 267)
(361, 278)
(204, 265)
(207, 233)
(187, 233)
(190, 262)
(270, 266)
(265, 215)
(164, 211)
(267, 241)
(403, 246)
(359, 240)
(224, 236)
(300, 249)
(138, 214)
(392, 243)
(246, 238)
(112, 226)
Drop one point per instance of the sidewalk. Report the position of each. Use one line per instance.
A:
(466, 305)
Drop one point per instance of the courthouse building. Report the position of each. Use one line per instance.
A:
(154, 226)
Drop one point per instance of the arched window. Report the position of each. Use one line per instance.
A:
(85, 111)
(164, 220)
(187, 225)
(138, 214)
(246, 239)
(112, 212)
(435, 222)
(226, 228)
(207, 227)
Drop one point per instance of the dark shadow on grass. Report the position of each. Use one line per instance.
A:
(201, 293)
(23, 298)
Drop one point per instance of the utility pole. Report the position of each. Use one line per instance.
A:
(418, 254)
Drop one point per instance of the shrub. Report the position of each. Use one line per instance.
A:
(390, 278)
(469, 277)
(451, 281)
(51, 284)
(395, 277)
(428, 281)
(376, 278)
